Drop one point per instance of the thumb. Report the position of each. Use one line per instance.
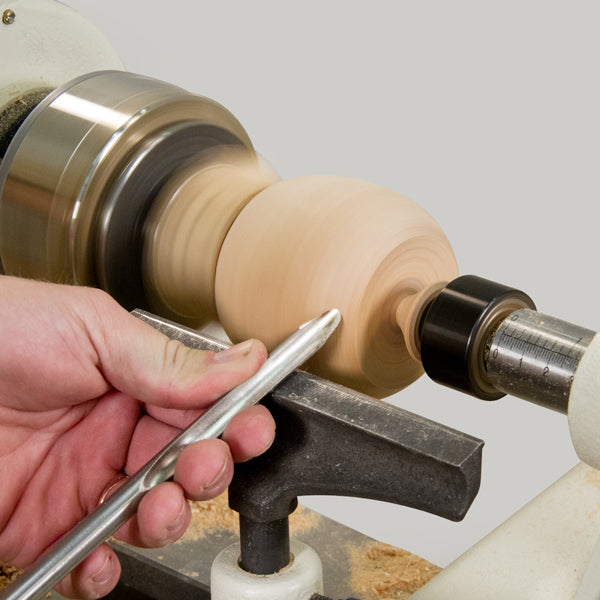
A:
(147, 365)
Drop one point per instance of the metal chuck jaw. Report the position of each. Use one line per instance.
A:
(486, 339)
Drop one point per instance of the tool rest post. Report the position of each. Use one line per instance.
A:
(265, 547)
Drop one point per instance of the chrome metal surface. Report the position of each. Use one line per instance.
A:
(534, 357)
(73, 547)
(63, 163)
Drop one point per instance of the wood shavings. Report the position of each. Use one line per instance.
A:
(211, 515)
(382, 572)
(7, 574)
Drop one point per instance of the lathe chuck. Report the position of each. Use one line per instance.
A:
(80, 174)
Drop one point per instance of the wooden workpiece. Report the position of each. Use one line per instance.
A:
(225, 236)
(305, 245)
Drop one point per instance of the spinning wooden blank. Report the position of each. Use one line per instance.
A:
(306, 245)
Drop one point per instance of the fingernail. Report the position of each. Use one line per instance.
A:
(103, 574)
(216, 480)
(175, 525)
(235, 352)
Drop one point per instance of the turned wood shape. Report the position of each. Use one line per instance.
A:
(306, 245)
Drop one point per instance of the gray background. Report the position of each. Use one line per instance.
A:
(485, 113)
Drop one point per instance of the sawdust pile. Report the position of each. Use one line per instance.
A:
(382, 572)
(211, 515)
(7, 574)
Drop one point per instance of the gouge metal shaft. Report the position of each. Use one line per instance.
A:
(73, 547)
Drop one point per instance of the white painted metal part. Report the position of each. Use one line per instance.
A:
(540, 553)
(584, 406)
(46, 45)
(589, 588)
(299, 581)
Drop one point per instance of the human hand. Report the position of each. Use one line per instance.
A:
(88, 394)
